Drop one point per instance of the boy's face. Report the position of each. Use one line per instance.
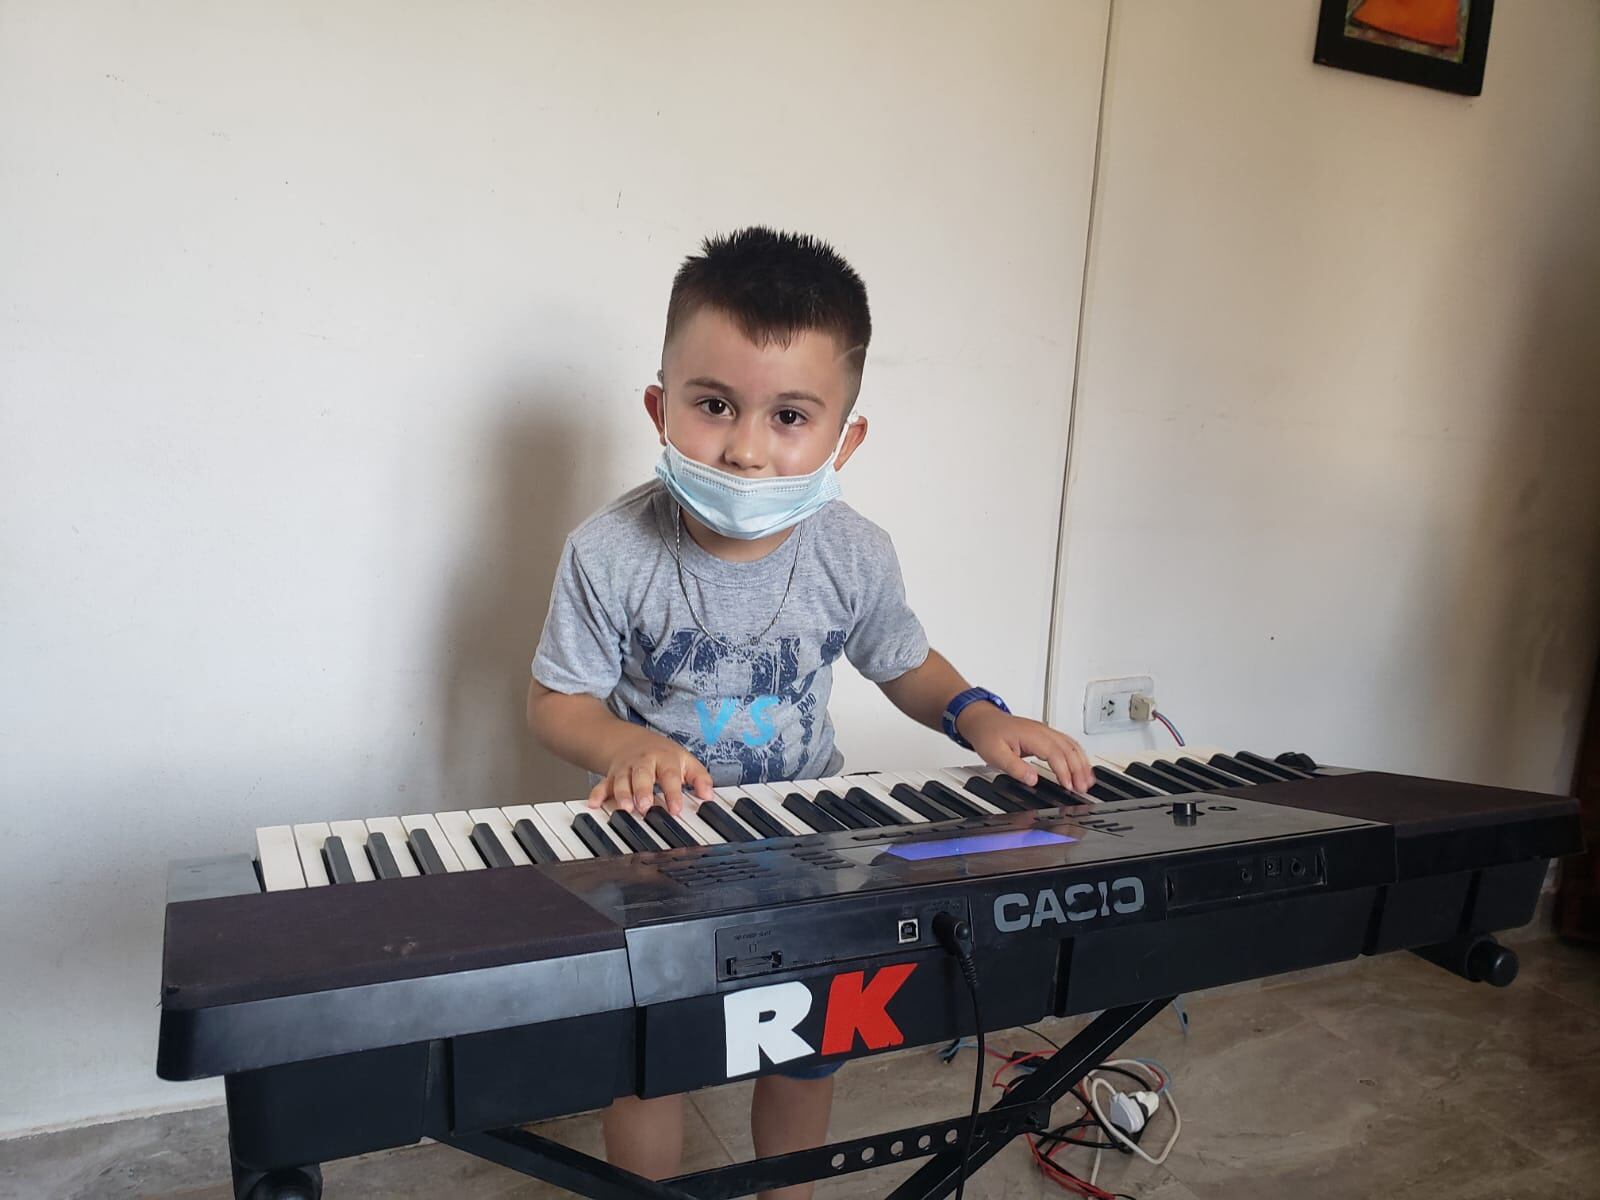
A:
(753, 410)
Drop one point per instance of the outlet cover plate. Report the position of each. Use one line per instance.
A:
(1105, 702)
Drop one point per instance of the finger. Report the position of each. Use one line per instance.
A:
(671, 781)
(1082, 770)
(622, 790)
(699, 778)
(599, 792)
(1060, 766)
(644, 787)
(1001, 755)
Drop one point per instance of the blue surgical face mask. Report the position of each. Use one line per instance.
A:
(740, 507)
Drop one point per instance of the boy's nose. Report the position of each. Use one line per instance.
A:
(745, 450)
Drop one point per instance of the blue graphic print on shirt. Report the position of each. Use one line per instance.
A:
(735, 692)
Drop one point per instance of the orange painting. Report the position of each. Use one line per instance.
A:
(1438, 43)
(1433, 22)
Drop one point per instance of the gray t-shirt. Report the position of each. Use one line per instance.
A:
(621, 627)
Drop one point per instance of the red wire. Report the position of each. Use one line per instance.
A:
(1045, 1160)
(1170, 728)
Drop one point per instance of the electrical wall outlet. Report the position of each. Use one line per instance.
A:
(1105, 702)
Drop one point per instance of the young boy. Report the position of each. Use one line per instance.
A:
(694, 621)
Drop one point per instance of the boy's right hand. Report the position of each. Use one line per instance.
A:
(645, 762)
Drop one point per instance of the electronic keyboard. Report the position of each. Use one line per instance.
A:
(363, 983)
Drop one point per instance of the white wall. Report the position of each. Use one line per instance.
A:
(321, 324)
(1338, 419)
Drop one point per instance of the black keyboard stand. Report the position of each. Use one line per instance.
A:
(1025, 1109)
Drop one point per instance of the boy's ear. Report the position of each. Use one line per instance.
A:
(855, 433)
(655, 402)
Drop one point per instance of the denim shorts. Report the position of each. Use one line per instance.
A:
(814, 1071)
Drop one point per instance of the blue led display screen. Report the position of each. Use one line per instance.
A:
(981, 843)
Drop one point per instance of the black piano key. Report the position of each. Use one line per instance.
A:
(626, 826)
(810, 814)
(533, 842)
(1055, 793)
(1013, 795)
(874, 808)
(425, 852)
(488, 846)
(918, 803)
(753, 815)
(1107, 787)
(592, 836)
(337, 861)
(841, 812)
(860, 810)
(1281, 770)
(1233, 766)
(382, 857)
(720, 819)
(1145, 773)
(1118, 782)
(1298, 759)
(1216, 774)
(955, 801)
(668, 828)
(1195, 781)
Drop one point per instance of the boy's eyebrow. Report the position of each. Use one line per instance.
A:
(717, 385)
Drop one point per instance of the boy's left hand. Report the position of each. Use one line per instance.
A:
(1004, 740)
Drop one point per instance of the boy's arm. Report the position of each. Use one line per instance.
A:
(1002, 739)
(630, 759)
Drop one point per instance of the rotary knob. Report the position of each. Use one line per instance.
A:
(1185, 812)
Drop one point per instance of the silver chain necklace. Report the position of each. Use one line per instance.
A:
(684, 588)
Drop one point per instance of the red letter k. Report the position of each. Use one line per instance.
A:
(853, 1008)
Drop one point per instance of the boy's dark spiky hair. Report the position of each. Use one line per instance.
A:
(774, 285)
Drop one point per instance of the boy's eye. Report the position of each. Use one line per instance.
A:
(714, 406)
(791, 416)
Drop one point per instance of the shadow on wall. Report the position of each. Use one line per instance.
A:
(534, 497)
(1518, 602)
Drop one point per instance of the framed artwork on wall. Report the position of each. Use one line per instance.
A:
(1437, 43)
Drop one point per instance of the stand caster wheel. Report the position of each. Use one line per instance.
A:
(286, 1183)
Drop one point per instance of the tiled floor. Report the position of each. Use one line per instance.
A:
(1382, 1078)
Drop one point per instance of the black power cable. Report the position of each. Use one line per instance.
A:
(955, 935)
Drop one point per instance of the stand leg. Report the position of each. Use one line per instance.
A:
(1058, 1075)
(1025, 1109)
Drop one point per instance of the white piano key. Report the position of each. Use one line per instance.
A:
(875, 787)
(886, 781)
(1046, 773)
(1124, 758)
(354, 836)
(308, 839)
(496, 820)
(955, 780)
(395, 834)
(1118, 775)
(426, 823)
(691, 820)
(770, 798)
(727, 797)
(599, 815)
(558, 820)
(457, 827)
(609, 807)
(919, 778)
(958, 777)
(279, 858)
(532, 813)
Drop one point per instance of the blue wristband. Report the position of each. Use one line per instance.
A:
(959, 703)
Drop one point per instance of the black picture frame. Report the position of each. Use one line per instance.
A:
(1390, 59)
